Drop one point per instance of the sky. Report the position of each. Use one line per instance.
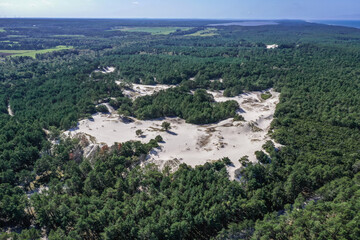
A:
(205, 9)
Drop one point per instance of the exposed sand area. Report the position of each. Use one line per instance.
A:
(272, 46)
(189, 143)
(10, 111)
(106, 70)
(138, 90)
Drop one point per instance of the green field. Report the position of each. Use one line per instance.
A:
(207, 32)
(153, 30)
(31, 53)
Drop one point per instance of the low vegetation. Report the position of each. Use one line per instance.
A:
(266, 95)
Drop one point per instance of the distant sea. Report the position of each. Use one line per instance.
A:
(345, 23)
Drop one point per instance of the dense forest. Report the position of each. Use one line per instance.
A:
(307, 189)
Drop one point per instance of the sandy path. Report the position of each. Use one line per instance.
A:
(189, 143)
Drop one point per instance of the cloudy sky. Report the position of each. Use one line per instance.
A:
(224, 9)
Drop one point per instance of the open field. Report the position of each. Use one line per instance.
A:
(189, 143)
(153, 30)
(207, 32)
(31, 53)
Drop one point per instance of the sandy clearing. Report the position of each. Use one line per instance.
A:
(272, 46)
(189, 143)
(138, 90)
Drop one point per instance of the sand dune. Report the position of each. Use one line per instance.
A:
(189, 143)
(106, 70)
(138, 90)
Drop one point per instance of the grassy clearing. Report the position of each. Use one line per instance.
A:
(207, 32)
(153, 30)
(31, 53)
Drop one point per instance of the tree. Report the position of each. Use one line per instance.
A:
(139, 132)
(166, 126)
(227, 161)
(102, 109)
(244, 161)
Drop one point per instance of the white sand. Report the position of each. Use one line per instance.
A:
(106, 70)
(11, 113)
(217, 80)
(189, 143)
(272, 46)
(137, 90)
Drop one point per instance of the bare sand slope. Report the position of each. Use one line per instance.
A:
(272, 46)
(139, 90)
(106, 70)
(189, 143)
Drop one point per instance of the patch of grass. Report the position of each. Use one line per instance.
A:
(31, 53)
(207, 32)
(266, 95)
(153, 30)
(68, 36)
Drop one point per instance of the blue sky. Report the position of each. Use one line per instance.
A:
(217, 9)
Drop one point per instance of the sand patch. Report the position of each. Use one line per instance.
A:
(272, 46)
(10, 111)
(106, 70)
(134, 91)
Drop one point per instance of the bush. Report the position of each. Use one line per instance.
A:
(266, 95)
(159, 138)
(239, 118)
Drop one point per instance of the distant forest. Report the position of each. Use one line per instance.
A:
(307, 189)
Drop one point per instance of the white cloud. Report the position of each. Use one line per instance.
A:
(136, 3)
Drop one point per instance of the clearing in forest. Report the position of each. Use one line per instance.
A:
(190, 143)
(31, 53)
